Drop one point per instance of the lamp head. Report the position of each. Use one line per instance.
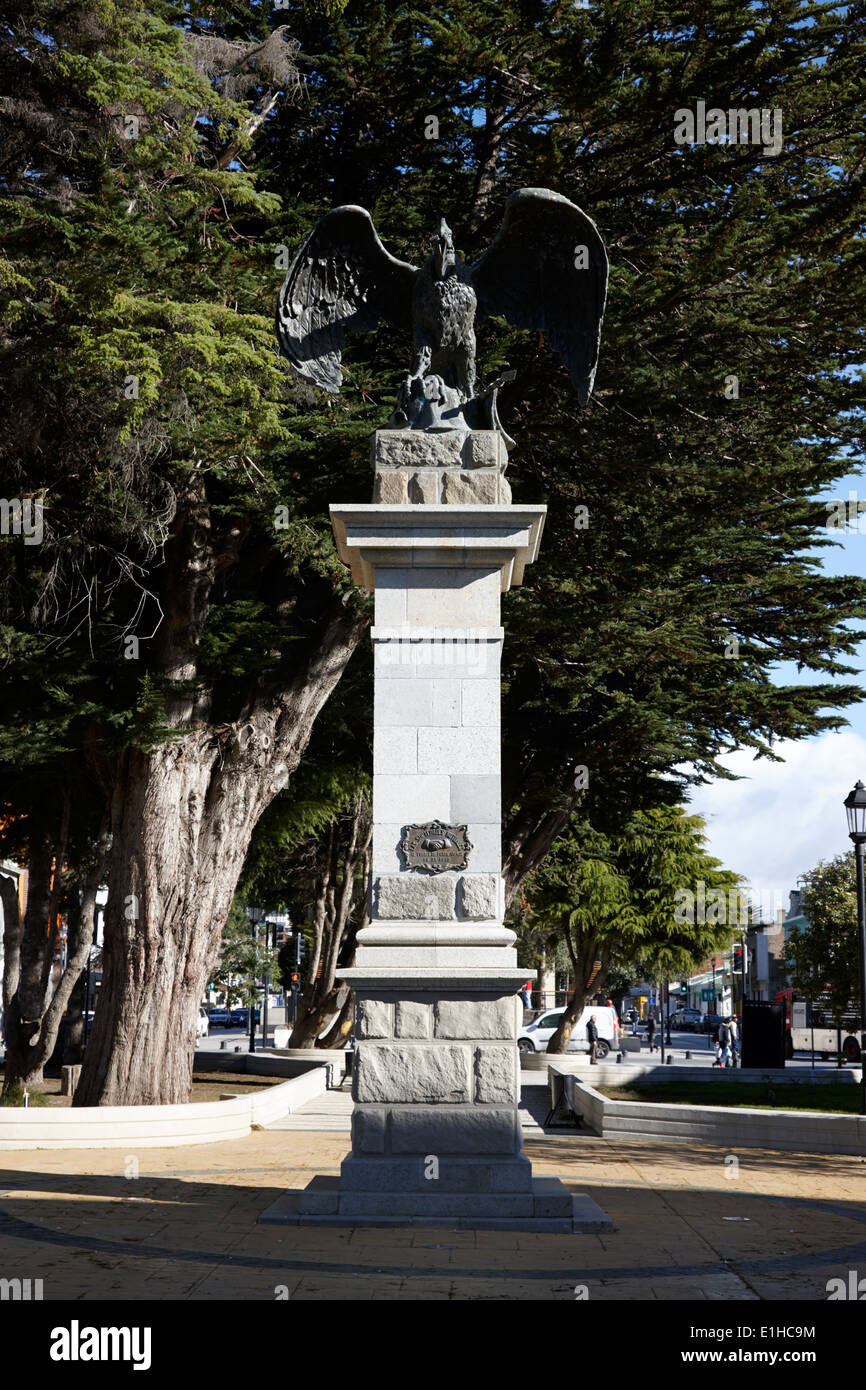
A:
(855, 809)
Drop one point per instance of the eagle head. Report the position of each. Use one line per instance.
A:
(442, 243)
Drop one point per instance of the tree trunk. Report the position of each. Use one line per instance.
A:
(340, 898)
(25, 1004)
(338, 1035)
(182, 814)
(182, 817)
(11, 954)
(527, 840)
(590, 963)
(32, 1020)
(495, 113)
(73, 1033)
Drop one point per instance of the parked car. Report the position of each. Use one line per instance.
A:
(535, 1036)
(241, 1017)
(687, 1020)
(219, 1018)
(203, 1025)
(711, 1023)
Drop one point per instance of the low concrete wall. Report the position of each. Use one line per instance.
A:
(276, 1101)
(806, 1131)
(262, 1063)
(156, 1126)
(306, 1057)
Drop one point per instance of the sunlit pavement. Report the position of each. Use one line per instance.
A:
(691, 1223)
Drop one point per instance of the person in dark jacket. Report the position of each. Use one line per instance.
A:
(651, 1032)
(592, 1039)
(725, 1043)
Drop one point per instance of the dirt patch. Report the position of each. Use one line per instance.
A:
(205, 1086)
(212, 1085)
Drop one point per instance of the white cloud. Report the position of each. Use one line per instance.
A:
(782, 818)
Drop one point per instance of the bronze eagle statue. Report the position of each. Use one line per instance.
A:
(546, 270)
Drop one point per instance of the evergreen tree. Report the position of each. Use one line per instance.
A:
(189, 630)
(612, 902)
(822, 960)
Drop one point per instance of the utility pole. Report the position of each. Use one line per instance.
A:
(255, 915)
(252, 991)
(267, 984)
(745, 946)
(296, 975)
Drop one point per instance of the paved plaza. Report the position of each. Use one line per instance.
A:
(691, 1223)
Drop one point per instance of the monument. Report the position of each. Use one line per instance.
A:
(436, 1137)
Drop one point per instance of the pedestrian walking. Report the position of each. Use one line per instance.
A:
(527, 994)
(592, 1039)
(735, 1039)
(651, 1032)
(725, 1043)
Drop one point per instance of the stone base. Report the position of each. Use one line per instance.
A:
(547, 1207)
(452, 468)
(491, 1176)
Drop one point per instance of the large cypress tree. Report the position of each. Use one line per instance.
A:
(144, 397)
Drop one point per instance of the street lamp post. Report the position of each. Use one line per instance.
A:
(267, 990)
(255, 915)
(855, 809)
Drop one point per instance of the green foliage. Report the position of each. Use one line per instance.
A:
(613, 899)
(244, 959)
(822, 959)
(280, 866)
(15, 1096)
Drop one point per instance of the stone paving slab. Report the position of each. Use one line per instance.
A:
(193, 1234)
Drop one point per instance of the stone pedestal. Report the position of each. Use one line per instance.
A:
(436, 1078)
(452, 467)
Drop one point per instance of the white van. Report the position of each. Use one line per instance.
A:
(537, 1035)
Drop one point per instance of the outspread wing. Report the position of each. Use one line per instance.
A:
(341, 279)
(531, 276)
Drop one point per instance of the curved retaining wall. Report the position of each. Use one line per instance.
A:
(806, 1131)
(156, 1126)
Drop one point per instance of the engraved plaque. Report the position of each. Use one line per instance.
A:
(435, 846)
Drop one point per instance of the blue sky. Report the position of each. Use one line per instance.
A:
(782, 818)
